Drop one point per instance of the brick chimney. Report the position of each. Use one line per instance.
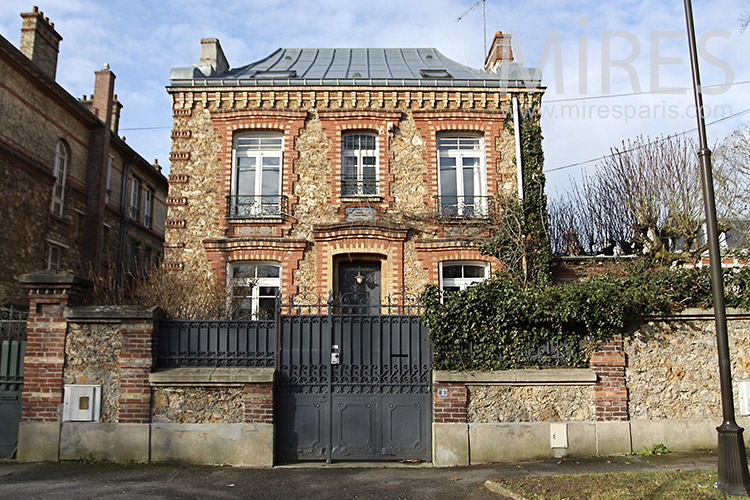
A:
(500, 52)
(103, 100)
(39, 41)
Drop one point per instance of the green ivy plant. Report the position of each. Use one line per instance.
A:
(501, 324)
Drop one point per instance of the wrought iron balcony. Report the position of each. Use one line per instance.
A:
(359, 186)
(464, 207)
(256, 207)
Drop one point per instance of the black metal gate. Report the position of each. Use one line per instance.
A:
(353, 382)
(12, 351)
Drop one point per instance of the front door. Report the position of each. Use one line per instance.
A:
(359, 287)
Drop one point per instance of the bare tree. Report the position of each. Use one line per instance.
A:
(646, 197)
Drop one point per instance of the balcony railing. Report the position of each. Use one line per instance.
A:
(256, 207)
(464, 207)
(359, 186)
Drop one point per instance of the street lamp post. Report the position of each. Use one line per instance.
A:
(733, 473)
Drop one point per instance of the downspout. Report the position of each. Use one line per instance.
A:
(125, 212)
(517, 133)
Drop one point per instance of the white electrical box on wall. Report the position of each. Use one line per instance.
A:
(558, 434)
(82, 403)
(743, 389)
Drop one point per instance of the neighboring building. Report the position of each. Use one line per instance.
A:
(369, 170)
(76, 196)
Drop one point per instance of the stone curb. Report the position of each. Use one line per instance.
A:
(496, 487)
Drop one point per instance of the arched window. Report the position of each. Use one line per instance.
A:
(256, 175)
(253, 288)
(59, 171)
(359, 164)
(462, 177)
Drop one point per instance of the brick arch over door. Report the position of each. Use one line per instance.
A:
(332, 241)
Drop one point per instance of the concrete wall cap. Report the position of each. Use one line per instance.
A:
(566, 376)
(696, 313)
(53, 278)
(211, 376)
(112, 313)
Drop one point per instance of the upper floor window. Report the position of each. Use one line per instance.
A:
(148, 206)
(461, 175)
(54, 257)
(359, 164)
(459, 275)
(108, 192)
(60, 169)
(256, 175)
(253, 289)
(135, 198)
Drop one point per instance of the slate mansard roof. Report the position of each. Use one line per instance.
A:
(398, 67)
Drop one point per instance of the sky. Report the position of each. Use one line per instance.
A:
(613, 71)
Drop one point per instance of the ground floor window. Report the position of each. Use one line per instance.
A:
(253, 287)
(459, 275)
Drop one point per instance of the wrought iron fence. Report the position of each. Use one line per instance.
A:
(256, 207)
(217, 342)
(465, 207)
(12, 348)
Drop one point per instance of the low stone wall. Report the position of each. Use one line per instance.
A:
(672, 365)
(197, 405)
(496, 404)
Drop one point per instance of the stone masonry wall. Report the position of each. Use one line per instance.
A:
(673, 369)
(194, 182)
(490, 404)
(92, 352)
(197, 405)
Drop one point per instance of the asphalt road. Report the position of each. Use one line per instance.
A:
(79, 481)
(82, 481)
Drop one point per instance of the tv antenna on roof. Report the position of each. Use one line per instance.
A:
(484, 27)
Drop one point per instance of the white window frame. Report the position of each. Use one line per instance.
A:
(359, 153)
(109, 180)
(464, 282)
(60, 169)
(148, 206)
(135, 195)
(467, 146)
(54, 255)
(255, 284)
(259, 146)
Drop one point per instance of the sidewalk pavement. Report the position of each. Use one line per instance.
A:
(370, 481)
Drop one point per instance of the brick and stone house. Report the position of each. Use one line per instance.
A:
(312, 167)
(77, 196)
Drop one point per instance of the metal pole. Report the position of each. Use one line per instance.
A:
(733, 474)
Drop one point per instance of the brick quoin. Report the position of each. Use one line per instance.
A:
(135, 362)
(452, 408)
(610, 391)
(258, 402)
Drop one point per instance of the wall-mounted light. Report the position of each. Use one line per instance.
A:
(360, 279)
